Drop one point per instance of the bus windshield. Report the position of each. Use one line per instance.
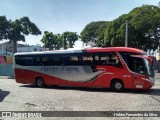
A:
(138, 65)
(149, 68)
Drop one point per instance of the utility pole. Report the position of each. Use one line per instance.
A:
(126, 36)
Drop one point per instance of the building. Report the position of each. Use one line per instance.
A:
(7, 47)
(29, 48)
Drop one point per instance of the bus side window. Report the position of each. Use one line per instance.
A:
(96, 59)
(45, 61)
(38, 61)
(56, 60)
(110, 59)
(24, 61)
(113, 59)
(104, 59)
(75, 60)
(41, 61)
(18, 61)
(67, 60)
(87, 59)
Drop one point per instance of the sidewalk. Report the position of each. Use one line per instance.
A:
(6, 77)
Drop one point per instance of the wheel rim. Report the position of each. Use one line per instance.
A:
(118, 86)
(40, 82)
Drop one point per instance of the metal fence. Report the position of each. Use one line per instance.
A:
(6, 70)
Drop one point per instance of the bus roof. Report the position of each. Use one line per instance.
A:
(88, 50)
(49, 52)
(116, 49)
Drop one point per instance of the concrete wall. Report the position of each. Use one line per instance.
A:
(6, 70)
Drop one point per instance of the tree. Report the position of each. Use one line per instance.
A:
(19, 28)
(48, 40)
(4, 27)
(147, 20)
(69, 39)
(143, 27)
(93, 33)
(51, 40)
(115, 33)
(15, 33)
(16, 30)
(58, 42)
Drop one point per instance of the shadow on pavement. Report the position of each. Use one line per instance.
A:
(3, 94)
(152, 91)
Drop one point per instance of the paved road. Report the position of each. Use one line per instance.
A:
(18, 97)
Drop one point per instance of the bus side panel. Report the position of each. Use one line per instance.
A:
(102, 81)
(28, 76)
(50, 80)
(24, 76)
(116, 73)
(148, 85)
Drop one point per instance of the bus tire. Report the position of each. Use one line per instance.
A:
(117, 85)
(40, 82)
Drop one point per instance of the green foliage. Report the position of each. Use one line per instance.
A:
(28, 27)
(115, 31)
(56, 41)
(48, 39)
(143, 28)
(94, 33)
(70, 38)
(52, 41)
(4, 25)
(16, 30)
(147, 20)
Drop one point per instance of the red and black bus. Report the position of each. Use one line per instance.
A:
(112, 67)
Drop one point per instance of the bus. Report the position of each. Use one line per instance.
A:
(118, 68)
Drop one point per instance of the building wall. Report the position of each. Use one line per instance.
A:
(6, 70)
(28, 48)
(8, 48)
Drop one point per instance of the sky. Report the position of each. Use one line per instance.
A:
(58, 16)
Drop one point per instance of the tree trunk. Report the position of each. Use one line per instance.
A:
(14, 47)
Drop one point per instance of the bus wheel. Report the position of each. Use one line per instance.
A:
(117, 85)
(40, 82)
